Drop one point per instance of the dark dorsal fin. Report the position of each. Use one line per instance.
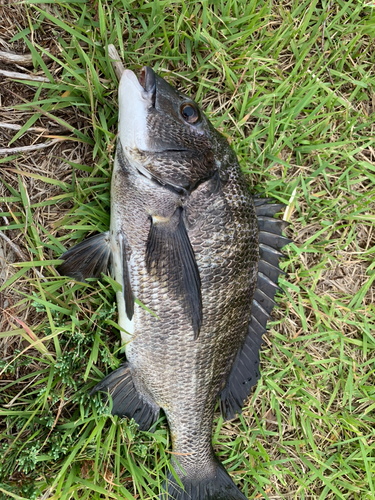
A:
(88, 259)
(170, 256)
(268, 209)
(245, 370)
(271, 225)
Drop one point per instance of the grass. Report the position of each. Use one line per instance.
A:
(291, 84)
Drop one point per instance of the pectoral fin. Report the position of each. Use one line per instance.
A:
(88, 259)
(170, 257)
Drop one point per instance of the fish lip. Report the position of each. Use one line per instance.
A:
(147, 79)
(145, 84)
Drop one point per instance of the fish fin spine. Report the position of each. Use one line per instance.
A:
(128, 398)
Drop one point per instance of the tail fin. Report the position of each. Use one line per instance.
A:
(219, 486)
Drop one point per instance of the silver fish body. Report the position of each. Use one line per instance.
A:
(185, 240)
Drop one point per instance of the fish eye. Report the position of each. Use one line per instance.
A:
(189, 113)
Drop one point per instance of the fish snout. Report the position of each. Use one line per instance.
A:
(136, 98)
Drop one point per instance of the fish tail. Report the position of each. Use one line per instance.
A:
(216, 486)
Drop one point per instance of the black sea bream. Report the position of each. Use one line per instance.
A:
(189, 241)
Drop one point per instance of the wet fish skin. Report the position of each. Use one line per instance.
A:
(183, 240)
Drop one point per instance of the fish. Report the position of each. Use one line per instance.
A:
(190, 242)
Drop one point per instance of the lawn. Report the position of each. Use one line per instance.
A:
(291, 84)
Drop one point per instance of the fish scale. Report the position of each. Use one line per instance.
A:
(185, 239)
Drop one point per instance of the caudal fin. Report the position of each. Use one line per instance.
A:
(218, 486)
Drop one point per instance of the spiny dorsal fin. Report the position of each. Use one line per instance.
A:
(269, 254)
(88, 259)
(170, 256)
(268, 209)
(269, 270)
(275, 226)
(273, 240)
(245, 370)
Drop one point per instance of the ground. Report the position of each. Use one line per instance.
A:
(291, 85)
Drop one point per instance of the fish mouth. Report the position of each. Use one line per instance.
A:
(145, 84)
(147, 80)
(136, 100)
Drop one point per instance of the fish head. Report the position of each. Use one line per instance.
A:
(164, 132)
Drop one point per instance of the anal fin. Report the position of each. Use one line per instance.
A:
(88, 259)
(127, 397)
